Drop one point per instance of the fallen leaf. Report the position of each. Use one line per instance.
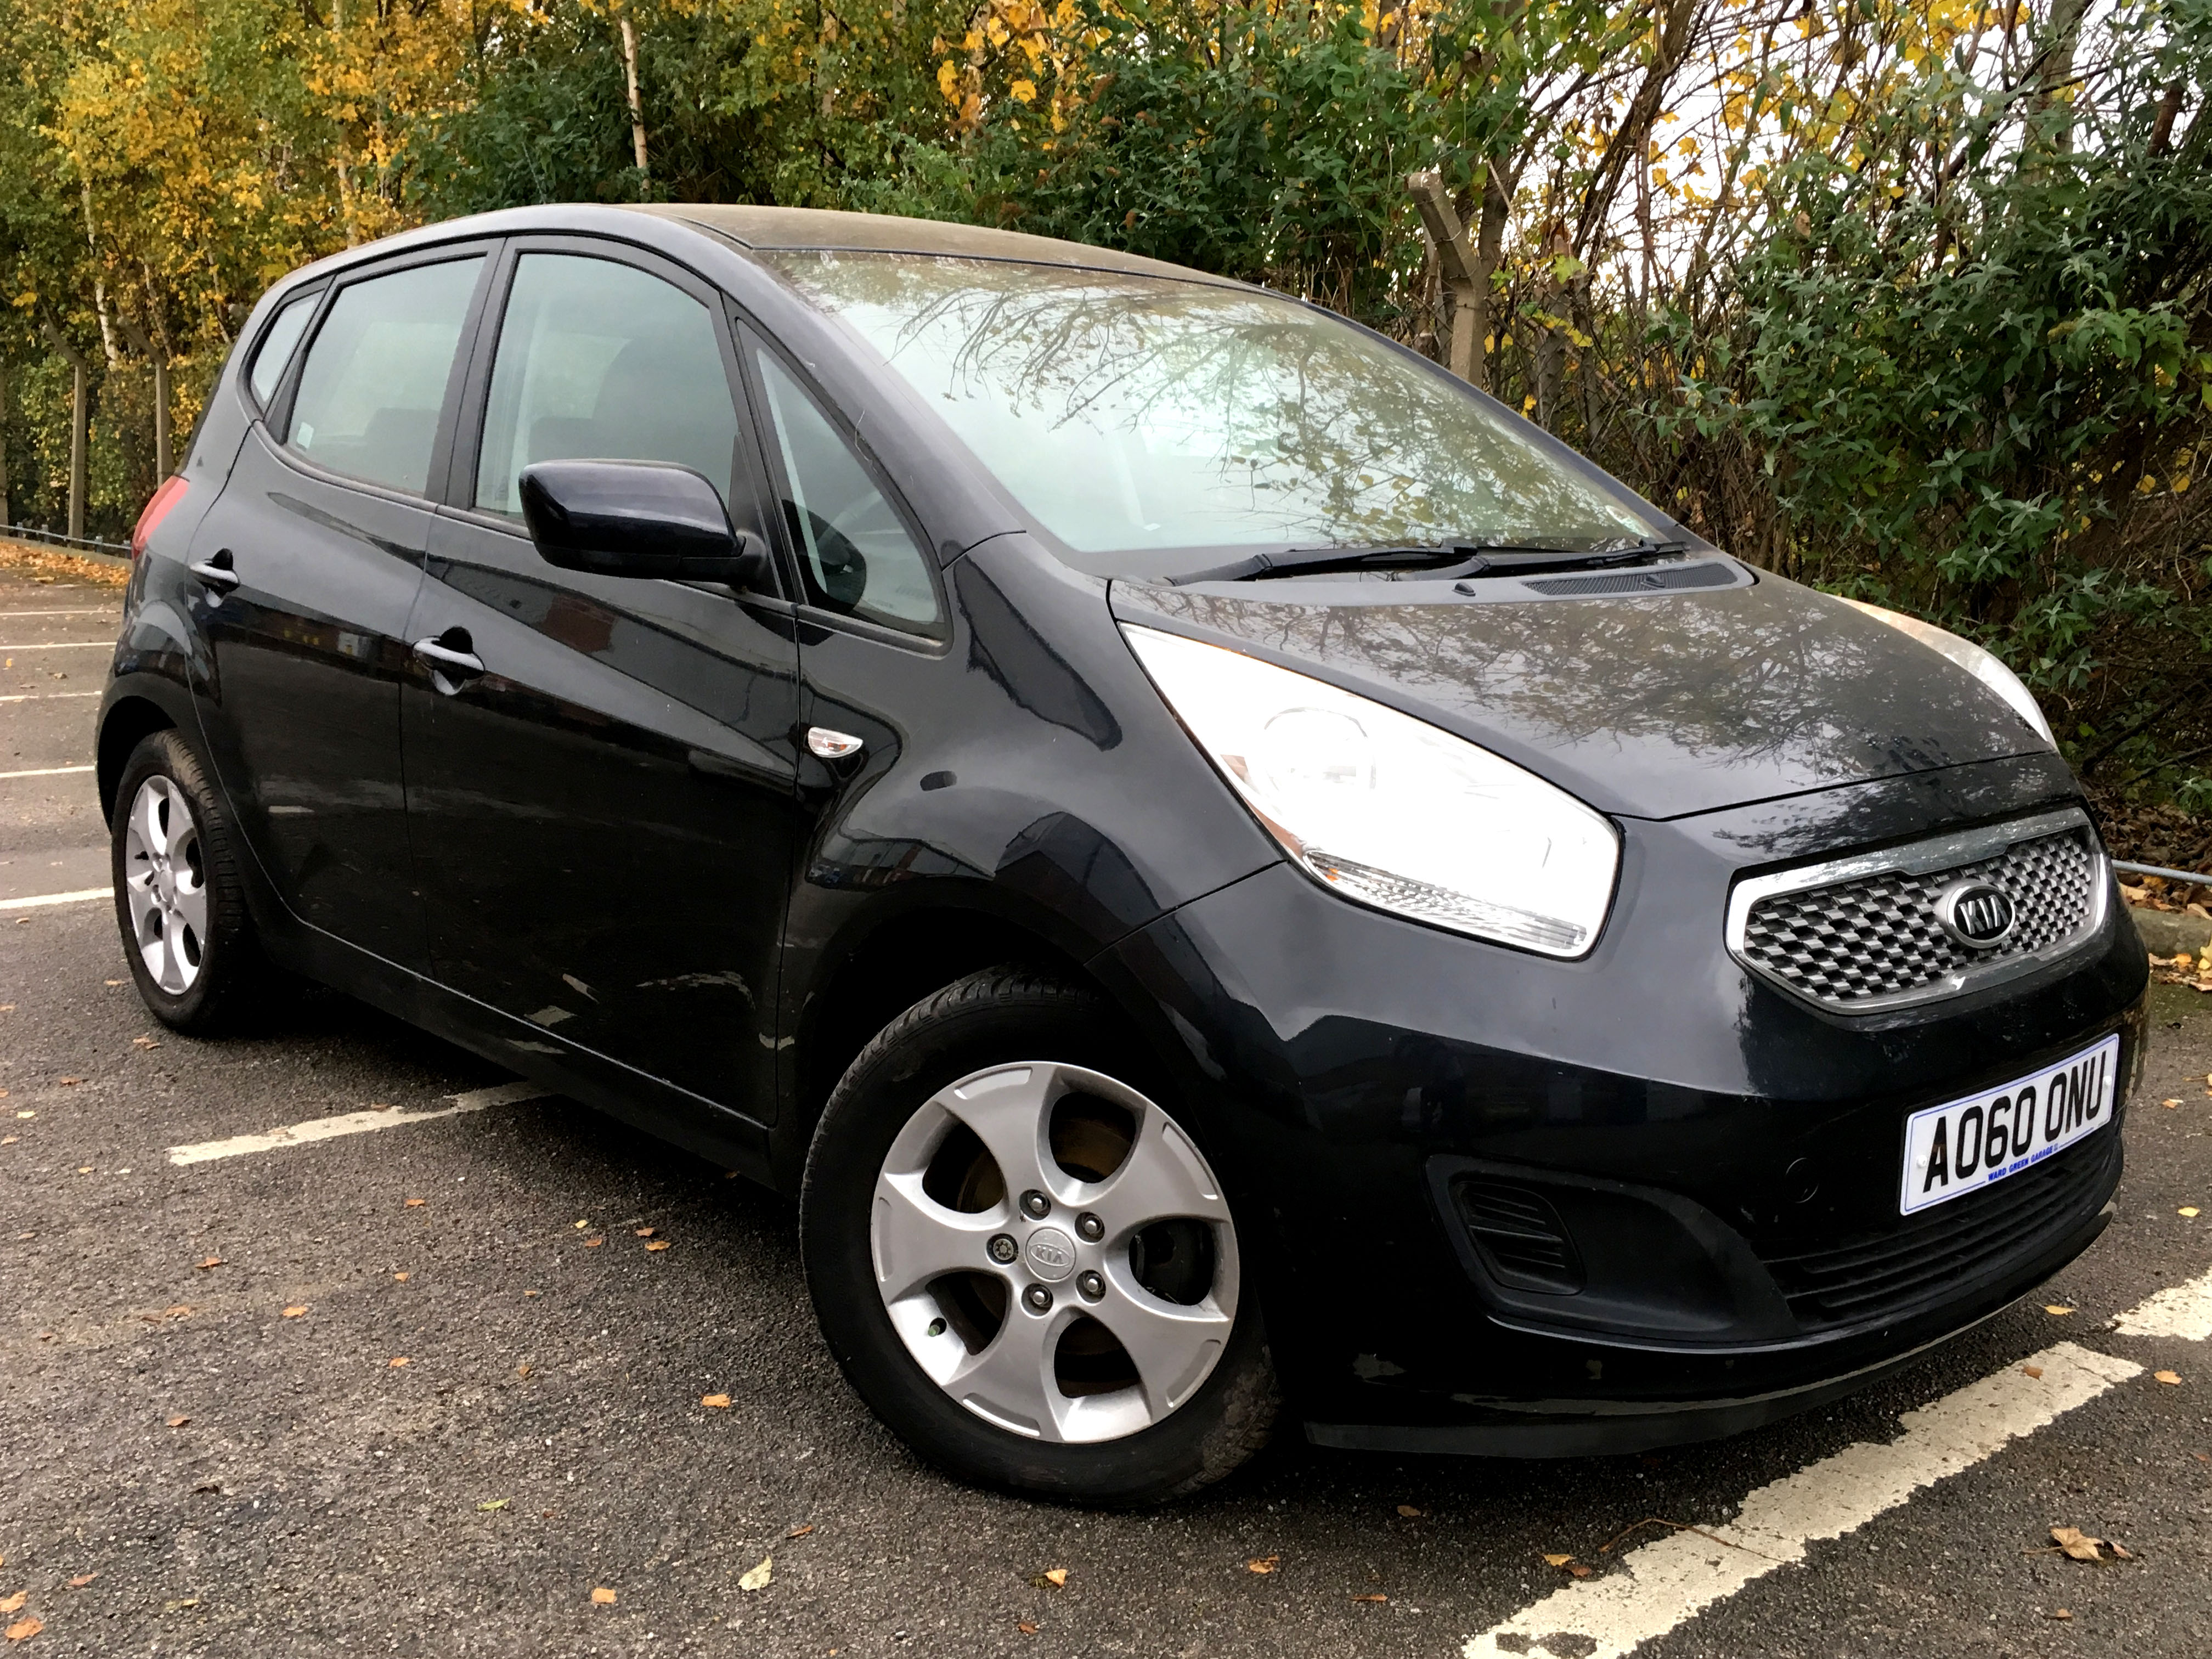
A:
(15, 1603)
(180, 1606)
(178, 1422)
(522, 1369)
(82, 1580)
(70, 1082)
(1579, 1570)
(491, 1504)
(594, 1243)
(379, 1106)
(602, 1596)
(800, 1531)
(1408, 1511)
(417, 1203)
(525, 1293)
(2120, 1550)
(719, 1401)
(2061, 1614)
(645, 1232)
(212, 1261)
(2057, 1310)
(295, 1313)
(1557, 1560)
(1050, 1578)
(1263, 1564)
(9, 1140)
(657, 1244)
(399, 1279)
(2032, 1371)
(2171, 1105)
(2077, 1544)
(24, 1629)
(180, 1311)
(110, 981)
(2172, 1379)
(580, 1225)
(2189, 1210)
(760, 1577)
(145, 1043)
(396, 1362)
(1371, 1598)
(1025, 1627)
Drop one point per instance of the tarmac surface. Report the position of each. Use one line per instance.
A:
(426, 1390)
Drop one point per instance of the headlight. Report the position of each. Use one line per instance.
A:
(1970, 657)
(1389, 809)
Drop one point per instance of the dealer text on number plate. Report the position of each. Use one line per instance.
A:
(1964, 1146)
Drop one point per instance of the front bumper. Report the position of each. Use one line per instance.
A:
(1722, 1157)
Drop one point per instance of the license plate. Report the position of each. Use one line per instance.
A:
(1964, 1146)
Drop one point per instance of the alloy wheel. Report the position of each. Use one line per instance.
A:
(1055, 1252)
(165, 883)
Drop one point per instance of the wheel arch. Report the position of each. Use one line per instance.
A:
(127, 721)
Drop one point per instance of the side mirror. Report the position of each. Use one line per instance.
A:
(637, 519)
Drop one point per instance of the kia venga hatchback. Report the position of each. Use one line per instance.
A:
(1232, 874)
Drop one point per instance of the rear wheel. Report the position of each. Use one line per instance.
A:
(177, 900)
(1021, 1259)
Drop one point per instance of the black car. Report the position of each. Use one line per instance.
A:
(1230, 872)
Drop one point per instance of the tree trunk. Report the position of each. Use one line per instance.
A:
(636, 105)
(1489, 248)
(1455, 264)
(80, 421)
(7, 515)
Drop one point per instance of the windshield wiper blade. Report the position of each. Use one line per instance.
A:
(1447, 559)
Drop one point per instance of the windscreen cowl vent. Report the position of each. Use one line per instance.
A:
(1520, 1237)
(1612, 584)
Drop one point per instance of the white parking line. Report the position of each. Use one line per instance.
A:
(352, 1123)
(40, 696)
(2182, 1310)
(1672, 1578)
(45, 772)
(98, 611)
(65, 644)
(83, 895)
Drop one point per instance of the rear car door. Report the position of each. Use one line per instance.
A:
(602, 812)
(307, 566)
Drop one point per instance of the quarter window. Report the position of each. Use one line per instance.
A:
(276, 346)
(375, 377)
(601, 361)
(853, 549)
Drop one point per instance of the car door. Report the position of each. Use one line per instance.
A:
(602, 812)
(307, 568)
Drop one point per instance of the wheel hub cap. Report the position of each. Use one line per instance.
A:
(1051, 1254)
(164, 885)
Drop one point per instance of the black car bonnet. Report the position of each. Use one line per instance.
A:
(1652, 704)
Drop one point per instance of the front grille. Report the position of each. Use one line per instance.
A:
(1925, 1257)
(1874, 939)
(1520, 1236)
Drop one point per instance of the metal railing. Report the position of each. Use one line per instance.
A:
(2127, 869)
(89, 546)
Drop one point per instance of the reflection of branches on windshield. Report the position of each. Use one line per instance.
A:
(1703, 681)
(1253, 417)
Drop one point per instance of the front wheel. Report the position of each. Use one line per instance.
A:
(1024, 1262)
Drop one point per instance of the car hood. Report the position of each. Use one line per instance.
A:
(1654, 707)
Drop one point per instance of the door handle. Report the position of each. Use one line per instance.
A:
(451, 658)
(216, 571)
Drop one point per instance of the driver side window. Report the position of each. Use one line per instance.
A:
(853, 549)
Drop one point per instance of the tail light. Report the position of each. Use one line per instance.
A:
(171, 492)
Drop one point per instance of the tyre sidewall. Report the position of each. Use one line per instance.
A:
(228, 959)
(1209, 1434)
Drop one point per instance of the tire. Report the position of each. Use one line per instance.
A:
(173, 854)
(891, 1182)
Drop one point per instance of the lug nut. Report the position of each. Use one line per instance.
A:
(1002, 1248)
(1091, 1226)
(1091, 1285)
(1039, 1299)
(1035, 1205)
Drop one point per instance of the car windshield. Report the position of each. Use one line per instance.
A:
(1128, 412)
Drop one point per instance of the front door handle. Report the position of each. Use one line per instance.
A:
(216, 572)
(451, 659)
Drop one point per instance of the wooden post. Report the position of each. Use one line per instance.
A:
(636, 105)
(80, 422)
(153, 354)
(1455, 263)
(7, 516)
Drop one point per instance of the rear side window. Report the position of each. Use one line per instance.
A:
(854, 549)
(601, 361)
(375, 377)
(276, 344)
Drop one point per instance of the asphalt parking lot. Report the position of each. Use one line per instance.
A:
(435, 1386)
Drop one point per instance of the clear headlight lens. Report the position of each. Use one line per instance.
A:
(1970, 657)
(1389, 809)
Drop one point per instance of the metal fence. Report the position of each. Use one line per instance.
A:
(86, 546)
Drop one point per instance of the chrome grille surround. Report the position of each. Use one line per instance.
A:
(1860, 934)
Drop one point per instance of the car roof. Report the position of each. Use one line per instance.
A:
(784, 229)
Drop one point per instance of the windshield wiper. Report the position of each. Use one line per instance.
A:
(1452, 560)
